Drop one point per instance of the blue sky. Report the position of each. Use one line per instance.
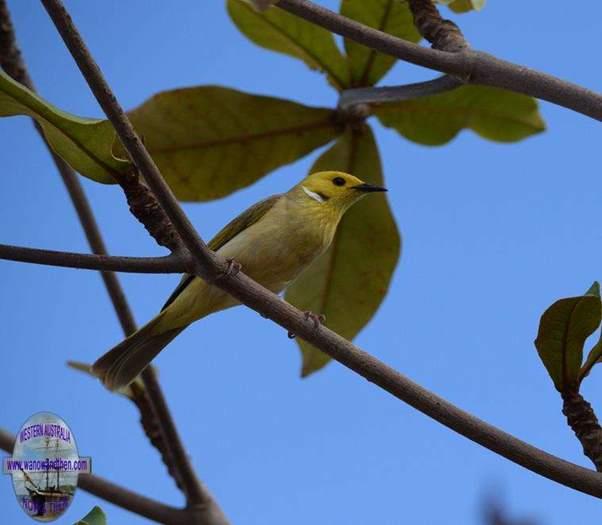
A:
(493, 234)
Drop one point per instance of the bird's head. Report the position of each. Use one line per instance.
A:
(334, 189)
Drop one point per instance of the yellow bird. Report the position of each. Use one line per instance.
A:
(273, 241)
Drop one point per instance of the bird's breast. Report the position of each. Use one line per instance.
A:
(275, 250)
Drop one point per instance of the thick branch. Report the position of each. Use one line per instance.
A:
(117, 495)
(273, 307)
(443, 34)
(202, 507)
(471, 66)
(168, 264)
(382, 95)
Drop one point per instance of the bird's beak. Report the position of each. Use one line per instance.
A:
(368, 188)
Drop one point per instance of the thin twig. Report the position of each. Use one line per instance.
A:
(273, 307)
(475, 67)
(118, 495)
(129, 500)
(386, 94)
(201, 505)
(10, 54)
(96, 242)
(167, 264)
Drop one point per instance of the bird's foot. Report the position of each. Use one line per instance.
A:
(318, 319)
(232, 268)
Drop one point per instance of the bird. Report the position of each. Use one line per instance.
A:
(273, 241)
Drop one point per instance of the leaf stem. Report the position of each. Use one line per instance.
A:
(385, 94)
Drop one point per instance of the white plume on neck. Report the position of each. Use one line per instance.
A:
(313, 195)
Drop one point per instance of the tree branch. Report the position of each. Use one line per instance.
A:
(273, 307)
(443, 34)
(170, 445)
(167, 264)
(475, 67)
(382, 95)
(116, 494)
(584, 423)
(201, 505)
(144, 206)
(209, 267)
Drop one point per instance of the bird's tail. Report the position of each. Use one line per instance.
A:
(120, 365)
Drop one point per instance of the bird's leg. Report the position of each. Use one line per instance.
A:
(318, 319)
(232, 268)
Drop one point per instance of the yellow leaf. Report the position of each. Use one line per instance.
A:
(85, 144)
(283, 32)
(209, 141)
(493, 113)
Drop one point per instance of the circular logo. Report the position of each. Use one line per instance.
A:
(44, 466)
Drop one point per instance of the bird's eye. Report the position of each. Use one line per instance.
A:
(338, 181)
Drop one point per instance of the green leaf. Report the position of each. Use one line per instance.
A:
(95, 517)
(563, 329)
(493, 113)
(463, 6)
(85, 144)
(391, 16)
(349, 282)
(209, 141)
(283, 32)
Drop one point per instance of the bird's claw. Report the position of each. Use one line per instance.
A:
(317, 320)
(232, 268)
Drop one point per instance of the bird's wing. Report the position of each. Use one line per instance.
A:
(246, 219)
